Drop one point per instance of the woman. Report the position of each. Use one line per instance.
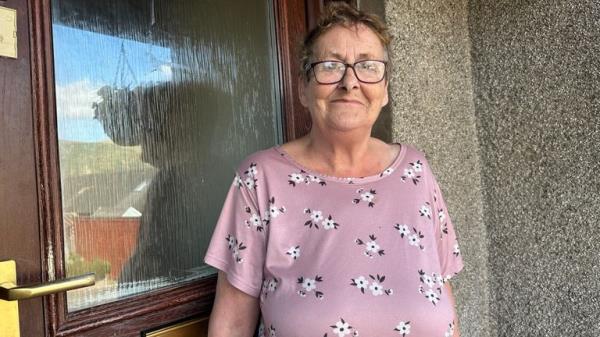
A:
(336, 233)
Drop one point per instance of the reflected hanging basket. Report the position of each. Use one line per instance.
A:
(119, 114)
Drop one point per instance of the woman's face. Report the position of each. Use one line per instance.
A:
(348, 105)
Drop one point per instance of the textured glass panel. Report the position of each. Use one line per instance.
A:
(157, 102)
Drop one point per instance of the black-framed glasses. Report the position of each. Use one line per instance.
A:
(331, 72)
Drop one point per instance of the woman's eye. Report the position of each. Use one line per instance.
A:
(330, 65)
(366, 66)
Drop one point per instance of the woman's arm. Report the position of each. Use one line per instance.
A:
(234, 313)
(451, 297)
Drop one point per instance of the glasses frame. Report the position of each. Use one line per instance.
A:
(346, 66)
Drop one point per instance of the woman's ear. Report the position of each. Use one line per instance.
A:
(302, 83)
(386, 97)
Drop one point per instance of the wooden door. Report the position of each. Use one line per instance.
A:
(80, 171)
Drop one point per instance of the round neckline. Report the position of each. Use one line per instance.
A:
(347, 180)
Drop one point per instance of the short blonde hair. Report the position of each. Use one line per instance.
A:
(339, 13)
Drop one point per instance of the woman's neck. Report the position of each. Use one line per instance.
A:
(344, 154)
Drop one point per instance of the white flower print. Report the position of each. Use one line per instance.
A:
(403, 328)
(295, 179)
(441, 215)
(402, 229)
(450, 331)
(237, 181)
(428, 280)
(269, 286)
(341, 328)
(272, 285)
(413, 239)
(376, 286)
(252, 171)
(412, 172)
(294, 252)
(417, 166)
(315, 179)
(250, 182)
(254, 221)
(272, 332)
(366, 196)
(376, 289)
(387, 172)
(235, 248)
(431, 292)
(329, 223)
(316, 217)
(361, 283)
(371, 247)
(444, 229)
(425, 210)
(303, 177)
(432, 296)
(456, 251)
(273, 211)
(310, 284)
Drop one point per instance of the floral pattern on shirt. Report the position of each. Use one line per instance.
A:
(412, 172)
(250, 181)
(403, 328)
(308, 285)
(372, 248)
(316, 218)
(375, 286)
(254, 220)
(294, 252)
(366, 196)
(425, 210)
(235, 248)
(274, 211)
(295, 179)
(431, 286)
(450, 331)
(342, 328)
(386, 172)
(269, 286)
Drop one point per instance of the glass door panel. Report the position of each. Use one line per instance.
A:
(157, 101)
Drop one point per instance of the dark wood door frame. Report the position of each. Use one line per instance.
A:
(164, 305)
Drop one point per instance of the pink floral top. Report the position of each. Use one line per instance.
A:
(339, 257)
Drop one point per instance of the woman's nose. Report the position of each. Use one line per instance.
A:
(349, 81)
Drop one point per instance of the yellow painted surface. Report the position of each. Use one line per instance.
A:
(8, 32)
(9, 310)
(193, 328)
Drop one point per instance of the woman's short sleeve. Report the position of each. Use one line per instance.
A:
(238, 246)
(451, 261)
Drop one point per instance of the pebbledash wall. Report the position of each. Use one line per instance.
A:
(504, 97)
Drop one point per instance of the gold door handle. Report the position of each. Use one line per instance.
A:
(9, 291)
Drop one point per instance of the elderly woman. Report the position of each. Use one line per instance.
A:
(336, 233)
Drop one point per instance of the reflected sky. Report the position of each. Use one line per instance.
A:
(86, 61)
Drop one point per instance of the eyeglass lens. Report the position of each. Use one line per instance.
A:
(329, 72)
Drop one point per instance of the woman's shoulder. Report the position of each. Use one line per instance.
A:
(262, 159)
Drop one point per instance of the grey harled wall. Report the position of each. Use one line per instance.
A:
(504, 96)
(432, 108)
(536, 71)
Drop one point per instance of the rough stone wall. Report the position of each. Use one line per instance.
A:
(536, 72)
(432, 108)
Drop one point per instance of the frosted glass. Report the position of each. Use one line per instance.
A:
(157, 102)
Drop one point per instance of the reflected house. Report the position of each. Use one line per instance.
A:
(102, 220)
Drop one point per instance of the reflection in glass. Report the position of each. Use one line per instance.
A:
(157, 102)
